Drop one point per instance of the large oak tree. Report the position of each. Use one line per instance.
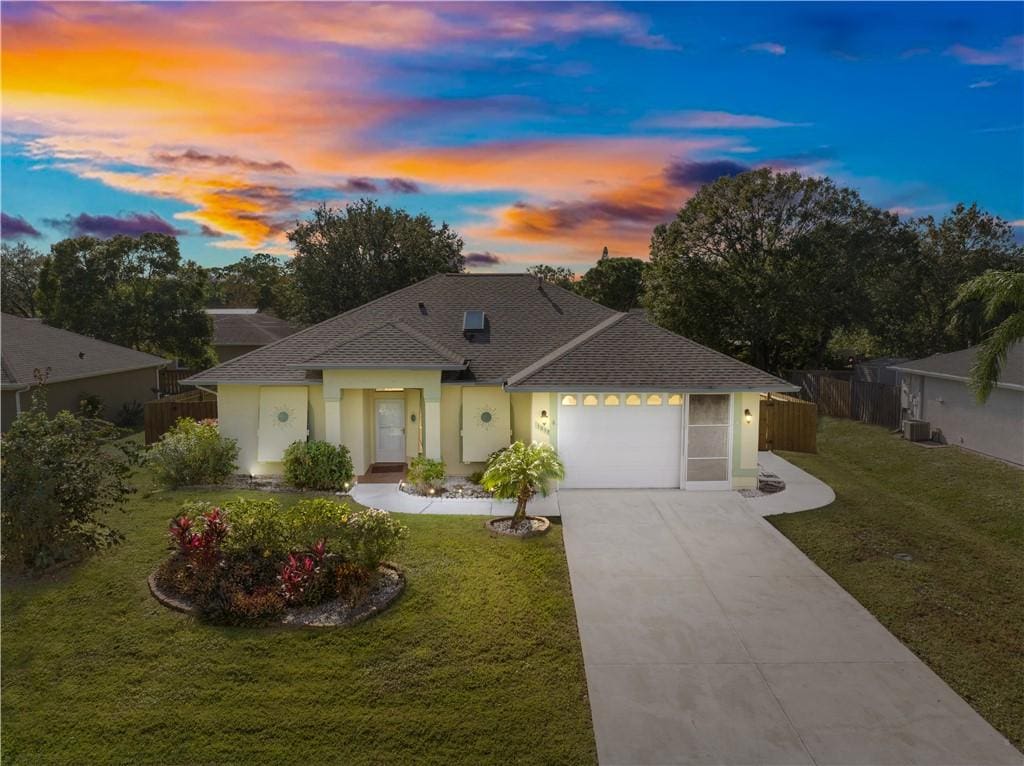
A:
(133, 291)
(346, 257)
(769, 266)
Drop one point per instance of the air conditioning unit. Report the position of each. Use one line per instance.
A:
(917, 430)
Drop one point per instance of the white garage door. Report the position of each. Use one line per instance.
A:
(620, 440)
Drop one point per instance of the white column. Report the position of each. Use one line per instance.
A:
(432, 428)
(332, 420)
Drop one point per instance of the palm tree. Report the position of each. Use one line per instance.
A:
(1001, 294)
(520, 472)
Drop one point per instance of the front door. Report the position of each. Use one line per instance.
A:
(390, 431)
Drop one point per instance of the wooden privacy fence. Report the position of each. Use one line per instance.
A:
(170, 381)
(869, 402)
(787, 423)
(161, 414)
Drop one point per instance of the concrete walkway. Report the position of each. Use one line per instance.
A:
(708, 638)
(803, 492)
(391, 498)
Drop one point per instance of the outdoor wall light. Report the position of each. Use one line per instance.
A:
(544, 415)
(748, 417)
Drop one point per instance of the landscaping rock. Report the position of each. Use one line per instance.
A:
(531, 526)
(330, 614)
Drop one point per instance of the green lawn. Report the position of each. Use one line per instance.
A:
(478, 662)
(959, 604)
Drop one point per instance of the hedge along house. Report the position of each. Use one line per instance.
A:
(460, 365)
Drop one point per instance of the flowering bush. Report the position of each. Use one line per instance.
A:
(318, 465)
(246, 560)
(193, 453)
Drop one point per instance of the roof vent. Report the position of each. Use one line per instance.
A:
(474, 321)
(423, 308)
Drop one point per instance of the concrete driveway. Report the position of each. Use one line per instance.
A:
(708, 638)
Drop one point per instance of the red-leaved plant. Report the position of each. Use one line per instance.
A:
(206, 540)
(300, 571)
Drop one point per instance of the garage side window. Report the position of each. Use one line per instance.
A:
(568, 400)
(590, 400)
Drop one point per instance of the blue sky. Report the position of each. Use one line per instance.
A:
(541, 132)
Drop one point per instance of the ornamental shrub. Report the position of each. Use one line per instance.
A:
(317, 518)
(245, 561)
(370, 536)
(58, 475)
(318, 465)
(426, 474)
(259, 528)
(193, 453)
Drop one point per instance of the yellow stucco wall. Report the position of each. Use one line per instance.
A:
(522, 417)
(744, 440)
(238, 413)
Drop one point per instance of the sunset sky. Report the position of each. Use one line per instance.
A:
(541, 132)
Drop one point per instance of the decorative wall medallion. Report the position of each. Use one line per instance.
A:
(283, 416)
(485, 418)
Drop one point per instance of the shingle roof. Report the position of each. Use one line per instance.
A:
(538, 335)
(249, 329)
(393, 344)
(28, 344)
(627, 352)
(958, 365)
(526, 320)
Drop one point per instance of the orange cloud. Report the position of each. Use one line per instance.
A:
(235, 110)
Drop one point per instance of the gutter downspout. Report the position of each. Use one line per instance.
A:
(17, 399)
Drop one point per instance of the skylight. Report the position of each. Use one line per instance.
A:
(473, 321)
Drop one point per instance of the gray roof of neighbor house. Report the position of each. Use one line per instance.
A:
(28, 345)
(246, 327)
(957, 366)
(528, 322)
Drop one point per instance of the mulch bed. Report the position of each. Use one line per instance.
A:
(330, 614)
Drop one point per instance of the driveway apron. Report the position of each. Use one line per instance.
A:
(708, 638)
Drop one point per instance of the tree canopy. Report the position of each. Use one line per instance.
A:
(914, 307)
(614, 282)
(133, 291)
(19, 274)
(345, 258)
(768, 266)
(555, 275)
(260, 281)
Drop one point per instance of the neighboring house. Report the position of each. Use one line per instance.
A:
(881, 370)
(239, 331)
(459, 365)
(74, 365)
(936, 390)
